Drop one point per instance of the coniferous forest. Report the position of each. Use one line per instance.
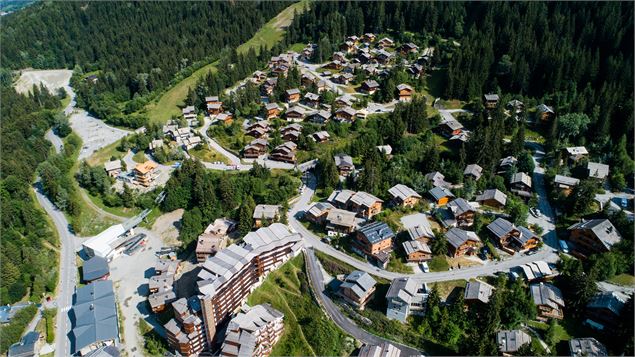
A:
(577, 57)
(137, 47)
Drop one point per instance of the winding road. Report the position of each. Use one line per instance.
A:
(547, 253)
(236, 163)
(333, 311)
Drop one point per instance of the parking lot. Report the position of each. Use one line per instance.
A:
(95, 133)
(130, 275)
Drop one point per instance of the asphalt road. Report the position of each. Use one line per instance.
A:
(68, 273)
(55, 140)
(316, 279)
(235, 162)
(548, 252)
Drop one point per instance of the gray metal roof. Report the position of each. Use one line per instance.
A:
(384, 349)
(603, 229)
(546, 294)
(112, 165)
(413, 246)
(403, 192)
(521, 177)
(491, 96)
(453, 124)
(457, 237)
(25, 347)
(566, 180)
(340, 217)
(439, 192)
(404, 289)
(417, 225)
(478, 290)
(474, 170)
(319, 208)
(508, 161)
(500, 227)
(254, 318)
(597, 170)
(365, 199)
(359, 281)
(95, 314)
(588, 347)
(460, 206)
(94, 268)
(613, 301)
(511, 340)
(343, 160)
(266, 211)
(493, 194)
(220, 268)
(341, 196)
(376, 232)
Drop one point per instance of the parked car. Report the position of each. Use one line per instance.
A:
(535, 212)
(564, 247)
(425, 267)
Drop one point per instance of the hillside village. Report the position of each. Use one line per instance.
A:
(333, 199)
(473, 218)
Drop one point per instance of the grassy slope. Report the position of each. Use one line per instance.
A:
(268, 35)
(284, 290)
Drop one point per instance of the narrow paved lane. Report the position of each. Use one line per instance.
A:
(333, 311)
(68, 273)
(548, 253)
(55, 140)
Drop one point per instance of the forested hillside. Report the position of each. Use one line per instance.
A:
(575, 56)
(27, 264)
(136, 47)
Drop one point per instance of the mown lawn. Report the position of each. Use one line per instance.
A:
(105, 154)
(439, 263)
(139, 157)
(208, 155)
(623, 280)
(119, 211)
(307, 330)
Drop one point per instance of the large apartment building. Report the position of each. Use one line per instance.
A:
(253, 332)
(186, 332)
(227, 278)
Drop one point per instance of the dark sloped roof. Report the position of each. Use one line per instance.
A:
(500, 227)
(613, 301)
(95, 268)
(376, 232)
(603, 229)
(439, 192)
(95, 314)
(26, 346)
(457, 237)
